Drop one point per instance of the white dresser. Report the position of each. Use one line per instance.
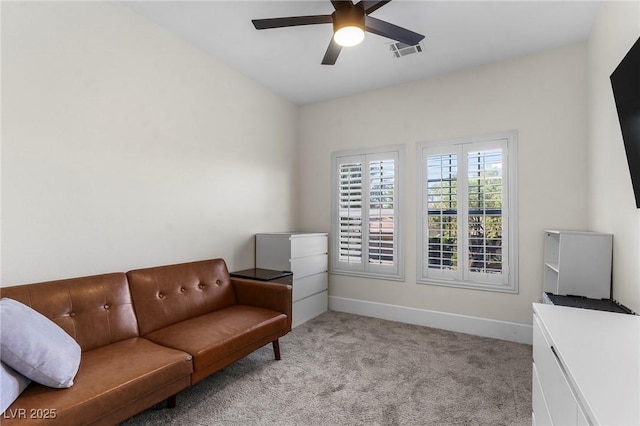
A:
(586, 367)
(305, 254)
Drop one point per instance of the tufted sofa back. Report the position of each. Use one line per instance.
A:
(95, 311)
(165, 295)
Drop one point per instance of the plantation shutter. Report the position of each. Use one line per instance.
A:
(367, 213)
(441, 217)
(464, 214)
(382, 212)
(350, 183)
(486, 197)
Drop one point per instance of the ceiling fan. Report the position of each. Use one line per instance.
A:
(350, 21)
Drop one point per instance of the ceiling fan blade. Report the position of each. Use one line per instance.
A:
(394, 32)
(337, 4)
(292, 21)
(371, 5)
(331, 55)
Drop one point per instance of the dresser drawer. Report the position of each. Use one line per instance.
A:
(305, 266)
(309, 285)
(308, 245)
(309, 307)
(286, 251)
(540, 410)
(562, 405)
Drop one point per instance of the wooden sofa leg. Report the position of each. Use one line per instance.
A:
(171, 401)
(276, 349)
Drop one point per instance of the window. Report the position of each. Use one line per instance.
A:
(467, 221)
(366, 213)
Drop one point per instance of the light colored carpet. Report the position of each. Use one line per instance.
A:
(343, 369)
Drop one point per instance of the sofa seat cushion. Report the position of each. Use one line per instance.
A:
(109, 378)
(218, 334)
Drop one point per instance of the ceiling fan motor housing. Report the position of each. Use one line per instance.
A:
(348, 17)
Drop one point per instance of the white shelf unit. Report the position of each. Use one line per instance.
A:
(586, 365)
(577, 263)
(306, 255)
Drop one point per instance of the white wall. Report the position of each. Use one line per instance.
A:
(611, 201)
(123, 147)
(541, 96)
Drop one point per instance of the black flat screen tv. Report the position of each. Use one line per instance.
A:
(625, 82)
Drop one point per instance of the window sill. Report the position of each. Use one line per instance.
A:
(500, 288)
(386, 277)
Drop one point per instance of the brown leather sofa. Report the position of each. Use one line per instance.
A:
(146, 335)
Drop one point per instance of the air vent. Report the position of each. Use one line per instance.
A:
(400, 49)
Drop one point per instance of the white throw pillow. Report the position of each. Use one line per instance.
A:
(12, 384)
(36, 347)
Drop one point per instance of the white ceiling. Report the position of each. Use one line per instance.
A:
(459, 35)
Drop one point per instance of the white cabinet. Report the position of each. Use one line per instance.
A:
(586, 367)
(304, 254)
(577, 264)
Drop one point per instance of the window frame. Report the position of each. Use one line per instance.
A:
(463, 277)
(393, 272)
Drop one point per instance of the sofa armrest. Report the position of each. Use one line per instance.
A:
(274, 296)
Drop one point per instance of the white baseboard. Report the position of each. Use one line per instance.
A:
(503, 330)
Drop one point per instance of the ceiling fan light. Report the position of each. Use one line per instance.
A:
(349, 36)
